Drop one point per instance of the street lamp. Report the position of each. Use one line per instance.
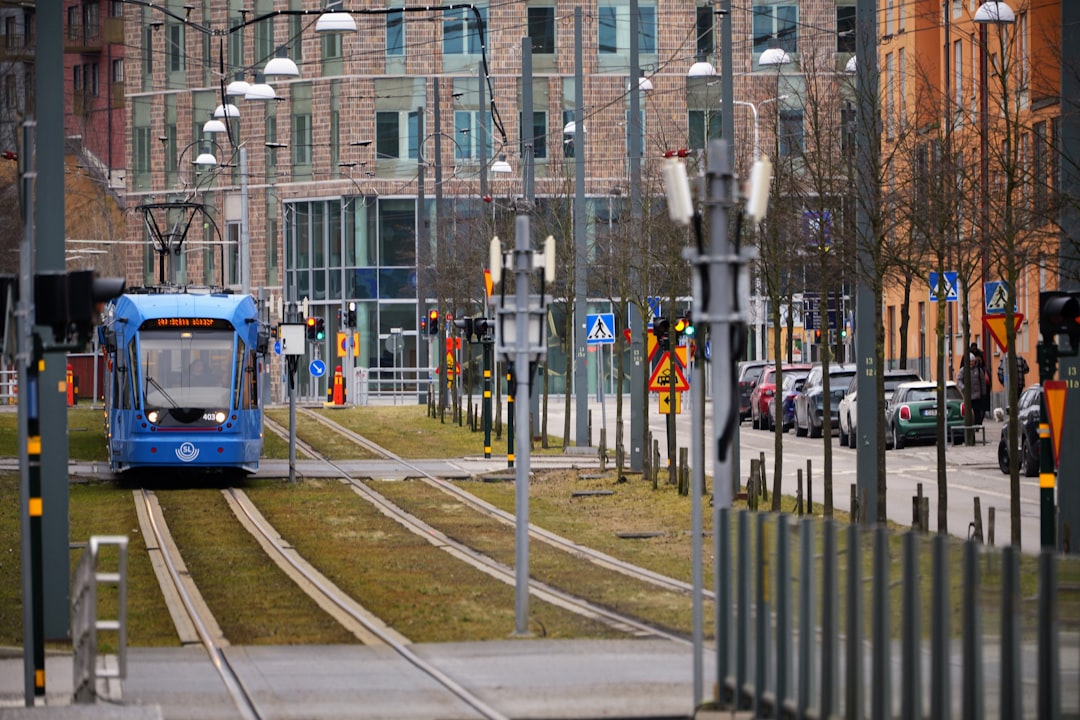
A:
(1000, 14)
(754, 110)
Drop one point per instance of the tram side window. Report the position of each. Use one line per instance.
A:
(127, 378)
(239, 374)
(251, 391)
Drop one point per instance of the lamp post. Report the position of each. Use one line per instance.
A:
(1000, 14)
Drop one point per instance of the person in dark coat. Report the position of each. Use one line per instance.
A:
(1021, 370)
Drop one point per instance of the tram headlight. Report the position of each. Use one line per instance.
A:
(152, 416)
(219, 416)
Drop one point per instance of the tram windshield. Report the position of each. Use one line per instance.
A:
(186, 369)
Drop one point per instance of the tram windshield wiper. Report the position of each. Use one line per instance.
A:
(152, 381)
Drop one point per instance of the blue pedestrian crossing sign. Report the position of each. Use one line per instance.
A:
(997, 297)
(600, 329)
(943, 284)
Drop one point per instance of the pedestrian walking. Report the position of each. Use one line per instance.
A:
(978, 378)
(1021, 371)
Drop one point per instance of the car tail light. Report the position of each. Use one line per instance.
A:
(962, 413)
(905, 412)
(769, 393)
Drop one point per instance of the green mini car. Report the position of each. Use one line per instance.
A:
(912, 414)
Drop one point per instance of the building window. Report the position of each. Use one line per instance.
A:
(91, 20)
(395, 34)
(469, 133)
(614, 29)
(77, 78)
(958, 77)
(396, 134)
(73, 31)
(301, 139)
(1038, 172)
(118, 70)
(845, 28)
(790, 137)
(538, 135)
(461, 31)
(703, 126)
(91, 77)
(147, 56)
(706, 34)
(779, 22)
(175, 51)
(542, 29)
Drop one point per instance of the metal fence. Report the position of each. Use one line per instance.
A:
(85, 624)
(815, 622)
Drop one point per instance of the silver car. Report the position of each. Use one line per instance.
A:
(848, 406)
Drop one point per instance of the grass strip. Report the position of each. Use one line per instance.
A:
(331, 444)
(416, 588)
(254, 602)
(560, 569)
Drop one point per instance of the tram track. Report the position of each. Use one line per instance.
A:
(598, 558)
(479, 560)
(197, 625)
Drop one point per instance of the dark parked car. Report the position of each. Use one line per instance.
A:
(749, 372)
(913, 412)
(1028, 416)
(793, 385)
(763, 392)
(810, 404)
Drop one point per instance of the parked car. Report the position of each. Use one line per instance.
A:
(849, 405)
(1028, 417)
(912, 415)
(749, 372)
(764, 390)
(810, 404)
(793, 385)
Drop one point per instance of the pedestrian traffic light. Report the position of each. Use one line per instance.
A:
(320, 329)
(351, 316)
(1059, 312)
(309, 326)
(433, 322)
(817, 337)
(661, 329)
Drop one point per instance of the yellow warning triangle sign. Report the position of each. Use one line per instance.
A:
(1054, 392)
(996, 325)
(661, 378)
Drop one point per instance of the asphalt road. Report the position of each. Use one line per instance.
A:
(971, 472)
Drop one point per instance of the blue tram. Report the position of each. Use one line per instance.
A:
(182, 373)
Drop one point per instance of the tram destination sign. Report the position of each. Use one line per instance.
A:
(186, 323)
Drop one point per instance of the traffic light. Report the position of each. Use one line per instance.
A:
(1059, 312)
(484, 328)
(320, 329)
(350, 319)
(684, 326)
(309, 328)
(433, 322)
(817, 337)
(661, 329)
(466, 327)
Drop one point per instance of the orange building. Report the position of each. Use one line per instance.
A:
(971, 132)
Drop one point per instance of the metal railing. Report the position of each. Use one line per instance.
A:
(85, 624)
(867, 623)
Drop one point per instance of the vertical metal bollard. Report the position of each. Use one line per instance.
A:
(807, 629)
(880, 676)
(939, 630)
(854, 697)
(723, 612)
(971, 690)
(1049, 653)
(783, 611)
(1011, 698)
(763, 614)
(830, 622)
(742, 588)
(910, 674)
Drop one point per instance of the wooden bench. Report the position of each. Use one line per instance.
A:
(958, 432)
